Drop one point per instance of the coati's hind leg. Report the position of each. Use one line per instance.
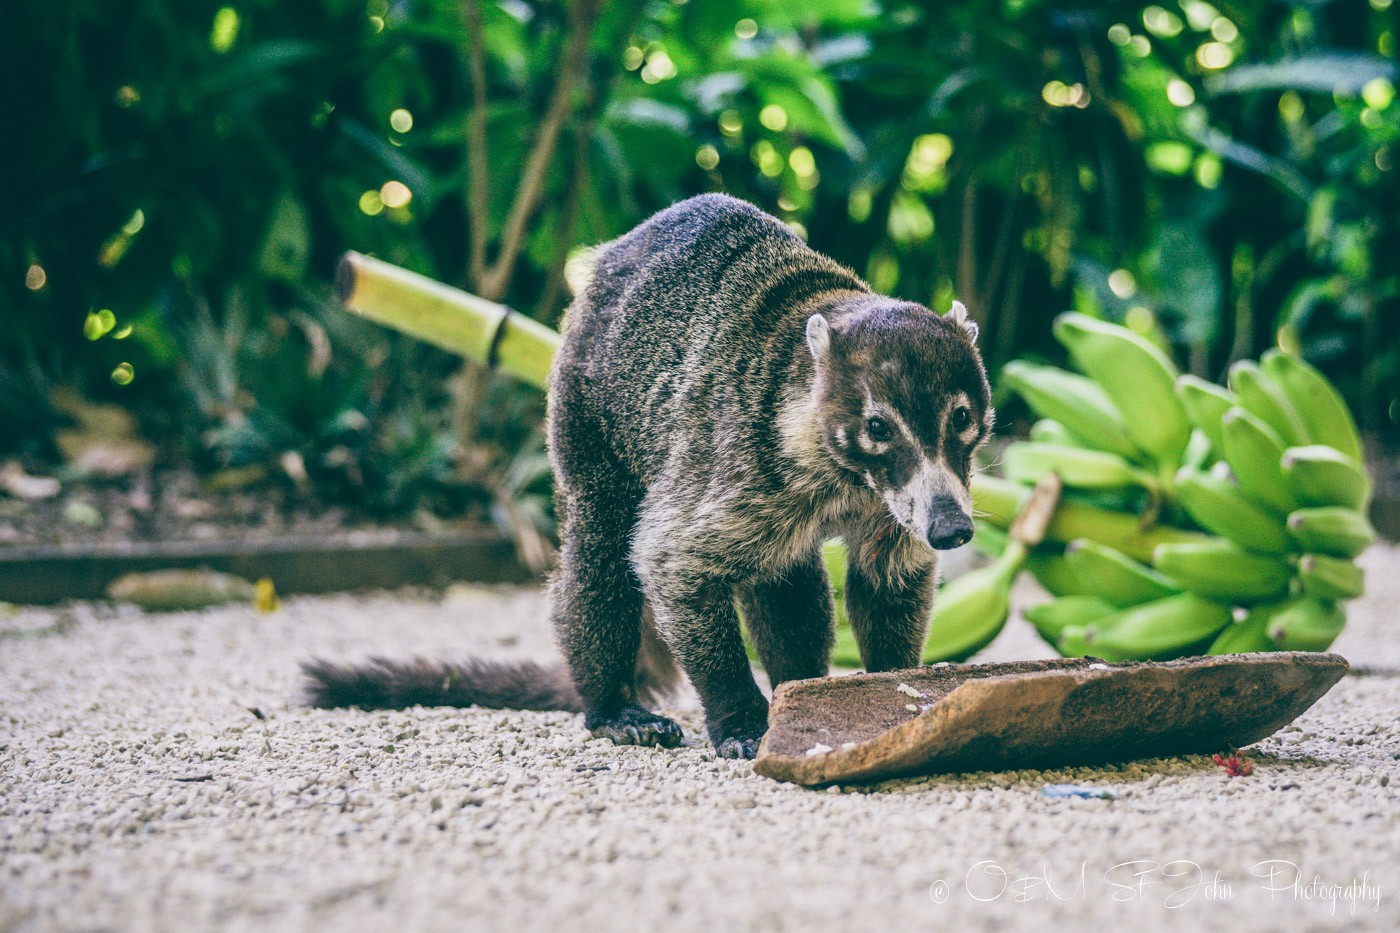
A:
(597, 607)
(792, 621)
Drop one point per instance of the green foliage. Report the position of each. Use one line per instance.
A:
(1222, 178)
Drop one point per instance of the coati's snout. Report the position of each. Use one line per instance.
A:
(949, 524)
(903, 403)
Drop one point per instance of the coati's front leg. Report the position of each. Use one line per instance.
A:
(889, 606)
(792, 621)
(696, 616)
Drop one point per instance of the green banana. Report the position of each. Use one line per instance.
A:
(1206, 404)
(1248, 634)
(1114, 577)
(1220, 570)
(1051, 618)
(1077, 467)
(1218, 506)
(1199, 451)
(997, 500)
(971, 611)
(1319, 475)
(1264, 398)
(1320, 406)
(1254, 452)
(1073, 642)
(988, 538)
(1330, 577)
(1078, 403)
(1307, 625)
(1161, 629)
(1332, 530)
(1137, 376)
(1052, 571)
(1050, 431)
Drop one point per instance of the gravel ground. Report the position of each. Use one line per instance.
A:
(157, 773)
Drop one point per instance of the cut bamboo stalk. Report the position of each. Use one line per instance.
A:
(447, 317)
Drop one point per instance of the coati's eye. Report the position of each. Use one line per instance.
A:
(878, 429)
(962, 419)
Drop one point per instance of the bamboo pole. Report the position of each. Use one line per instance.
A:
(447, 317)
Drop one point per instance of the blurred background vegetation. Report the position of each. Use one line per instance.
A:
(1221, 176)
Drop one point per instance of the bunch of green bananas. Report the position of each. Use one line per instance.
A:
(1268, 471)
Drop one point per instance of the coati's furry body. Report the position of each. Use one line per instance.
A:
(724, 401)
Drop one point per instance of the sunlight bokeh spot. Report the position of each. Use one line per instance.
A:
(401, 120)
(35, 277)
(1140, 320)
(773, 117)
(659, 67)
(707, 157)
(1290, 106)
(1180, 93)
(1209, 168)
(1161, 22)
(746, 28)
(371, 203)
(133, 226)
(395, 194)
(123, 374)
(1223, 30)
(1214, 55)
(802, 161)
(224, 33)
(1378, 93)
(1122, 283)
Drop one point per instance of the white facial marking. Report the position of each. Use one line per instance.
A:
(910, 504)
(960, 400)
(871, 410)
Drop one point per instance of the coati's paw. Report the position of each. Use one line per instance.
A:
(735, 747)
(738, 735)
(633, 725)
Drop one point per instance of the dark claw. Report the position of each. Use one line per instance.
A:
(735, 747)
(636, 726)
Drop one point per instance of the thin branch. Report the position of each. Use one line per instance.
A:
(547, 307)
(478, 194)
(573, 74)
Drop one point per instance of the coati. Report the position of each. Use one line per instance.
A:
(725, 400)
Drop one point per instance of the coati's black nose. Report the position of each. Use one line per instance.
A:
(949, 526)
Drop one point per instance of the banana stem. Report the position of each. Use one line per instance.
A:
(999, 500)
(447, 317)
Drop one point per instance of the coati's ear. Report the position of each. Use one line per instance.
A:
(818, 337)
(958, 315)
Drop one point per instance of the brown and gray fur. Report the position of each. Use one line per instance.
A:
(725, 400)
